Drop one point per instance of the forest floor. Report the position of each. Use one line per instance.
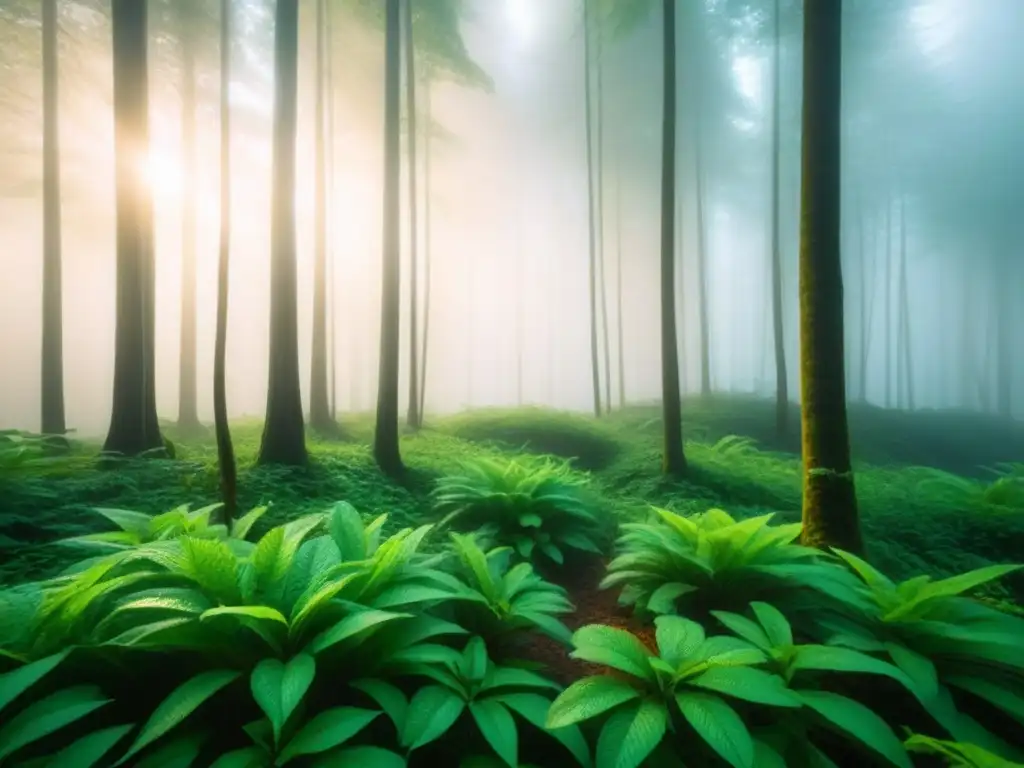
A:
(922, 481)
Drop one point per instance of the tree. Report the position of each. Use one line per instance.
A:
(321, 416)
(385, 442)
(134, 428)
(284, 437)
(428, 141)
(225, 450)
(414, 416)
(591, 208)
(778, 328)
(188, 407)
(674, 459)
(53, 420)
(830, 516)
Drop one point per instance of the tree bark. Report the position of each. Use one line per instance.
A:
(619, 341)
(226, 465)
(778, 327)
(385, 443)
(830, 517)
(321, 417)
(188, 406)
(134, 428)
(413, 416)
(595, 358)
(284, 432)
(602, 261)
(674, 459)
(52, 374)
(427, 242)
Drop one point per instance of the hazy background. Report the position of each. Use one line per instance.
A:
(934, 115)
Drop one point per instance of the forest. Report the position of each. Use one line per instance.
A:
(523, 383)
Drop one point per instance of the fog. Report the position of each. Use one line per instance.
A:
(933, 120)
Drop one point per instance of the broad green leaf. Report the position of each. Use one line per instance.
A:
(1001, 696)
(355, 625)
(955, 585)
(182, 702)
(240, 528)
(363, 757)
(765, 756)
(588, 698)
(19, 680)
(677, 638)
(127, 520)
(919, 669)
(744, 628)
(856, 720)
(432, 711)
(329, 729)
(249, 757)
(474, 661)
(346, 528)
(719, 725)
(278, 688)
(48, 715)
(779, 632)
(90, 749)
(748, 684)
(177, 752)
(612, 647)
(827, 658)
(387, 696)
(258, 612)
(533, 708)
(631, 734)
(874, 578)
(498, 728)
(513, 677)
(663, 599)
(474, 559)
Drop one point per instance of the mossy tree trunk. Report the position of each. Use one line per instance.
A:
(52, 374)
(674, 459)
(830, 516)
(225, 449)
(134, 427)
(284, 433)
(385, 442)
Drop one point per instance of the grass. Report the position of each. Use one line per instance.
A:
(912, 523)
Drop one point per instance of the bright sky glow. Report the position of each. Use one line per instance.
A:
(162, 173)
(522, 19)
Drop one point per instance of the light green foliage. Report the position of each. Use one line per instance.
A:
(540, 508)
(1005, 493)
(958, 755)
(711, 560)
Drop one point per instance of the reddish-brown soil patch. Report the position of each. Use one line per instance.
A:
(593, 606)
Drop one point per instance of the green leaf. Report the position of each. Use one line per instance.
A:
(858, 721)
(48, 715)
(613, 647)
(531, 520)
(363, 757)
(258, 612)
(663, 599)
(779, 632)
(249, 757)
(498, 728)
(1001, 696)
(329, 729)
(240, 528)
(677, 638)
(127, 520)
(388, 697)
(182, 702)
(90, 749)
(719, 725)
(474, 662)
(827, 658)
(278, 688)
(432, 711)
(19, 680)
(631, 734)
(919, 669)
(588, 698)
(346, 528)
(744, 628)
(353, 626)
(533, 708)
(748, 684)
(178, 752)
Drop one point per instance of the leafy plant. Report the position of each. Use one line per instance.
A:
(713, 561)
(498, 599)
(539, 508)
(692, 681)
(1004, 492)
(958, 755)
(469, 682)
(941, 641)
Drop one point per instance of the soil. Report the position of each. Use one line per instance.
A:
(593, 606)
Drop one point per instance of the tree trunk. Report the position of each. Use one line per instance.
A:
(332, 280)
(778, 327)
(595, 361)
(52, 373)
(134, 427)
(188, 408)
(427, 142)
(674, 459)
(227, 468)
(702, 273)
(413, 417)
(907, 356)
(385, 443)
(830, 516)
(602, 262)
(284, 433)
(321, 418)
(619, 342)
(887, 297)
(1004, 299)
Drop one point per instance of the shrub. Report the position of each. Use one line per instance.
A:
(539, 508)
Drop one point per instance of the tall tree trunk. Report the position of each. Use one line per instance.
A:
(427, 242)
(865, 309)
(907, 356)
(284, 433)
(332, 279)
(674, 459)
(1004, 302)
(602, 261)
(385, 442)
(321, 417)
(830, 517)
(188, 406)
(227, 468)
(52, 373)
(702, 273)
(595, 358)
(887, 297)
(413, 417)
(619, 321)
(778, 327)
(134, 428)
